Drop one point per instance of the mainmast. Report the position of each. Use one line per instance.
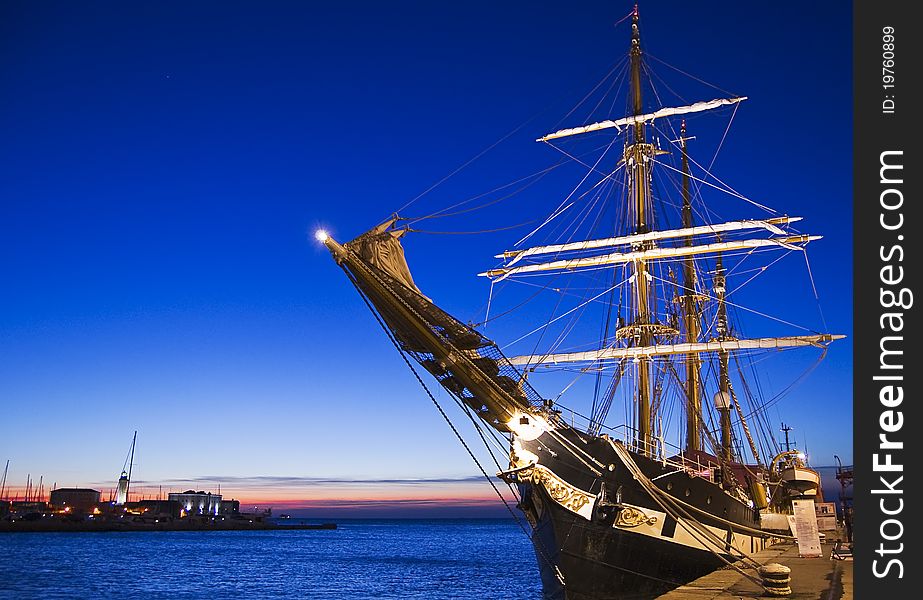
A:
(690, 316)
(637, 158)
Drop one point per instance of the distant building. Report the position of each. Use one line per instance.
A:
(28, 506)
(165, 508)
(77, 499)
(229, 507)
(198, 503)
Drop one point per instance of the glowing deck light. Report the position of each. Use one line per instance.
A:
(321, 235)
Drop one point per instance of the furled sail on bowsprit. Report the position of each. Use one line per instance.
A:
(381, 248)
(465, 363)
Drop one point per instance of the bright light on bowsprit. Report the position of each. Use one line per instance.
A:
(320, 235)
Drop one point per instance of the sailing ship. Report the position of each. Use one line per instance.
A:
(618, 511)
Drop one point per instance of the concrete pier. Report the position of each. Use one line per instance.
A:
(811, 578)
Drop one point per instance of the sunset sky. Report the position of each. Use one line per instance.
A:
(166, 164)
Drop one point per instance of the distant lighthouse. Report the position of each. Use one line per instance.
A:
(121, 492)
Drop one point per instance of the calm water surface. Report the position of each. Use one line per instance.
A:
(468, 558)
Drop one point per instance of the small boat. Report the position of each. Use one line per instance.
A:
(796, 479)
(800, 479)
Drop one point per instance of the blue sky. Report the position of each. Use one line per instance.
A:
(165, 166)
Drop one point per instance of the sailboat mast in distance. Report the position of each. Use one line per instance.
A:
(3, 481)
(131, 462)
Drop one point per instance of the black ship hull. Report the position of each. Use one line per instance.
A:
(605, 536)
(605, 562)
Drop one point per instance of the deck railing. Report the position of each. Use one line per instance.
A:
(659, 448)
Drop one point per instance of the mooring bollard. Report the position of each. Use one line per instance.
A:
(776, 578)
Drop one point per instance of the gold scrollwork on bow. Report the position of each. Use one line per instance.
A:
(632, 517)
(564, 494)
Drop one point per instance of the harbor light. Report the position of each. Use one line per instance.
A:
(320, 235)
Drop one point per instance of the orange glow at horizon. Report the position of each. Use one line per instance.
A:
(467, 494)
(454, 495)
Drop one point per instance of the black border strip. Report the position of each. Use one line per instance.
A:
(885, 248)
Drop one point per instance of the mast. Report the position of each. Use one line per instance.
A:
(693, 373)
(3, 481)
(131, 460)
(723, 397)
(637, 157)
(785, 430)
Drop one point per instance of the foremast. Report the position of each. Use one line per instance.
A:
(637, 157)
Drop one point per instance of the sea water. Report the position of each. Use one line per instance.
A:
(466, 559)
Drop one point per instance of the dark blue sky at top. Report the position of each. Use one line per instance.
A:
(165, 164)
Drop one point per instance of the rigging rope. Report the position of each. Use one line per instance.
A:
(723, 137)
(539, 547)
(620, 63)
(702, 81)
(471, 232)
(756, 312)
(789, 387)
(615, 67)
(816, 295)
(743, 423)
(560, 210)
(759, 271)
(618, 79)
(728, 190)
(696, 195)
(562, 315)
(537, 175)
(490, 297)
(694, 528)
(470, 160)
